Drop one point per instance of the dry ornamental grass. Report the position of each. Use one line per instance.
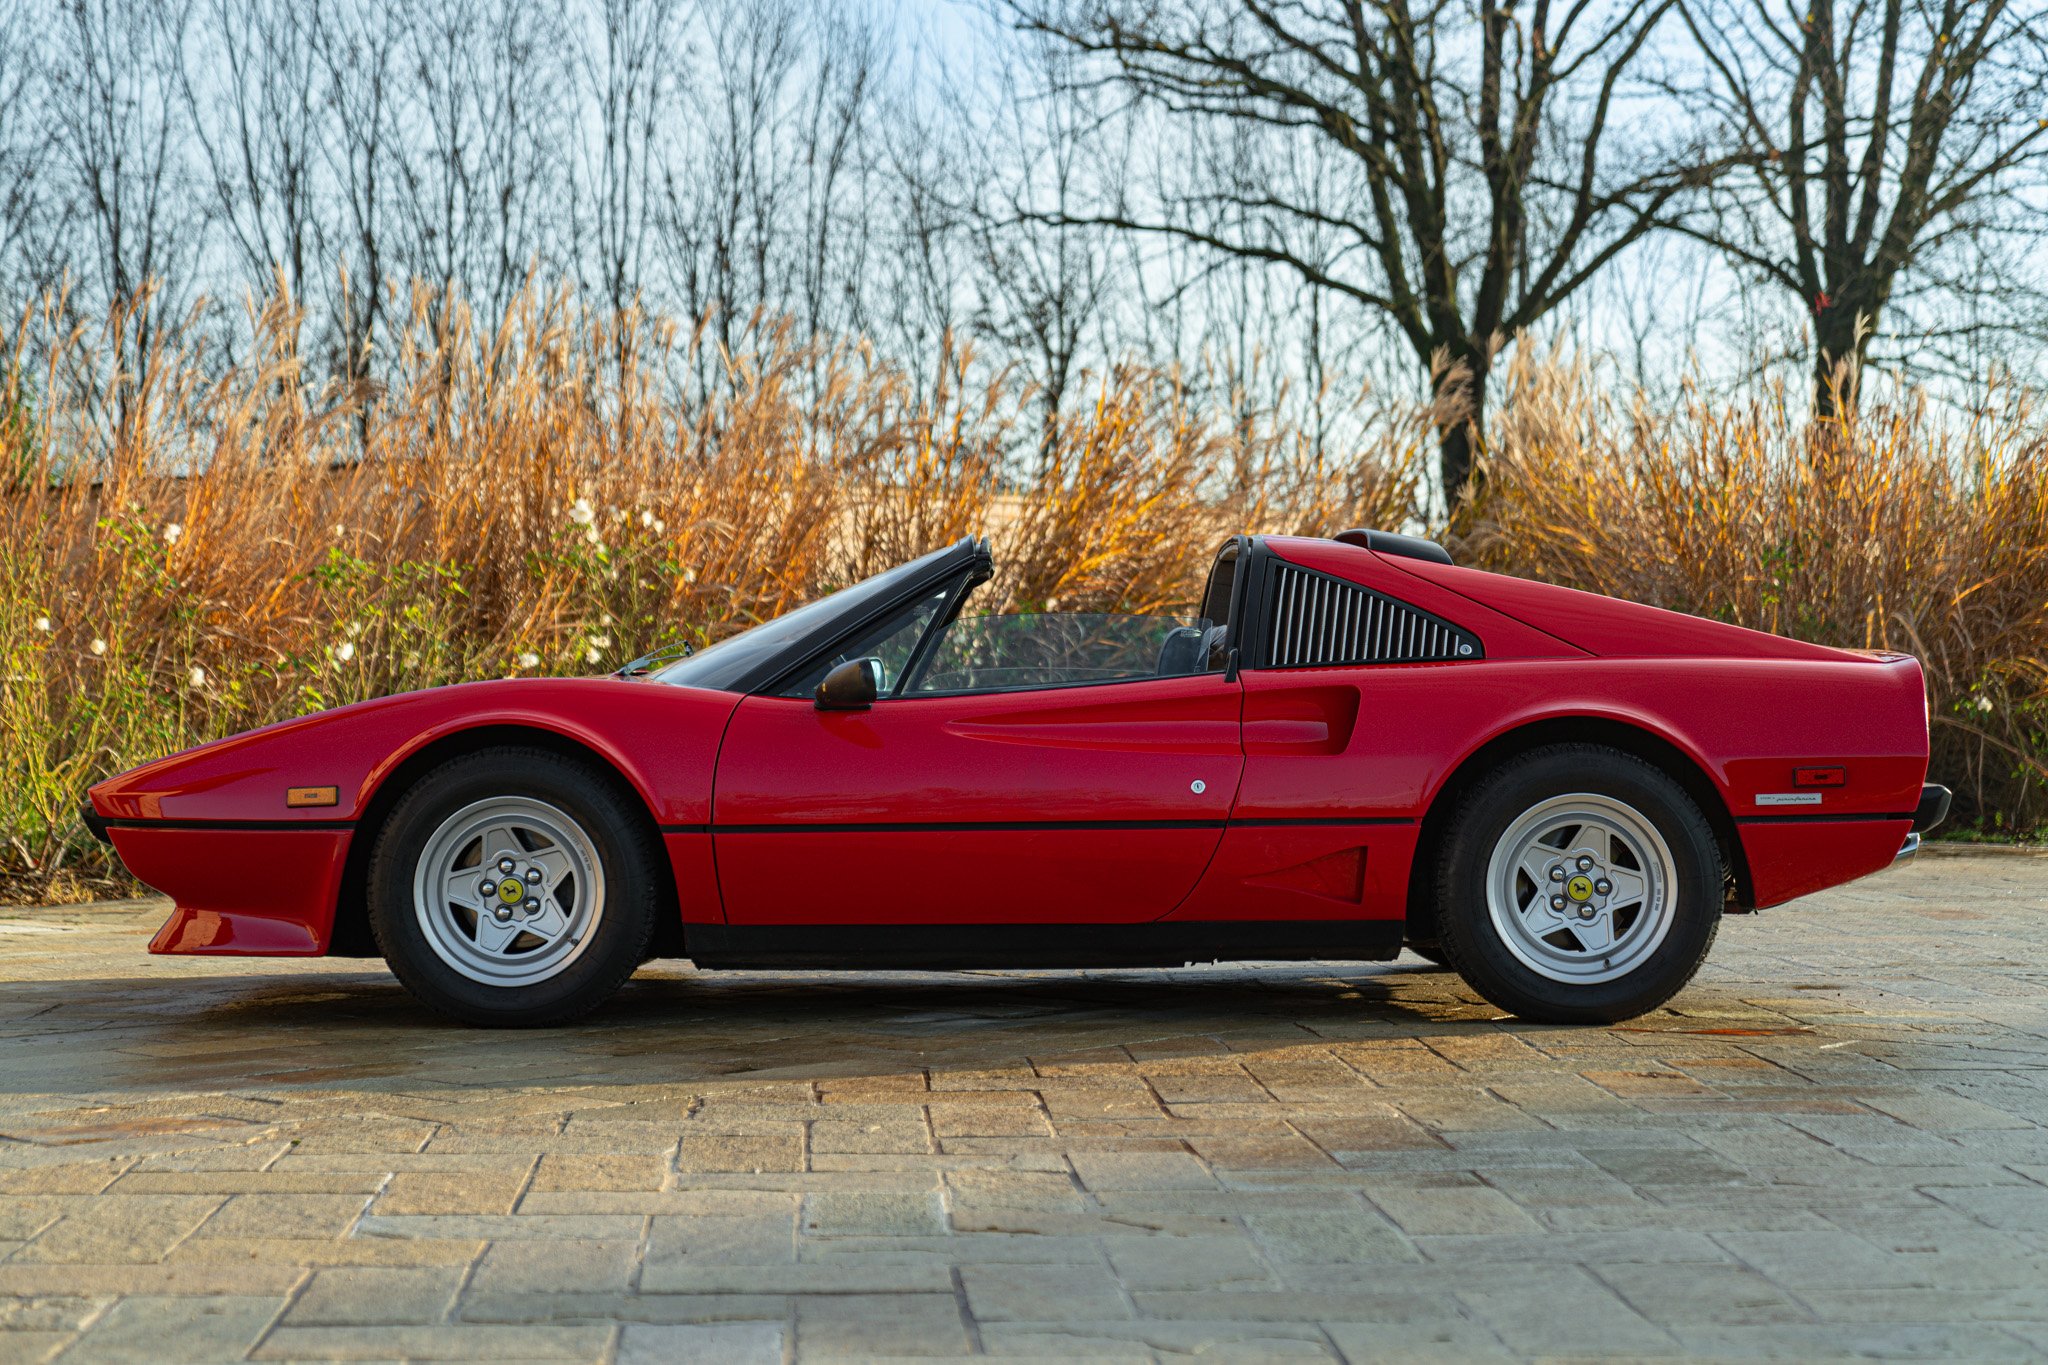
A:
(211, 547)
(214, 548)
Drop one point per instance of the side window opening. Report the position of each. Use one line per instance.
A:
(931, 647)
(1016, 652)
(893, 641)
(1315, 620)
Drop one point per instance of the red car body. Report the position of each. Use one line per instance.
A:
(1263, 794)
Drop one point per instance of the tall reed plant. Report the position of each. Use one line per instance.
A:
(190, 547)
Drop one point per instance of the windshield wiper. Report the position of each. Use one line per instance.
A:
(647, 663)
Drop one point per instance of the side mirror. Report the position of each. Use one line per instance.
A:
(853, 686)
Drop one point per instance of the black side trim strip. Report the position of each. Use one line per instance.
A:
(1025, 826)
(1294, 821)
(98, 823)
(961, 826)
(936, 947)
(254, 826)
(1821, 819)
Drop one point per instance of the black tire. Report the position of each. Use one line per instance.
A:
(629, 859)
(1478, 949)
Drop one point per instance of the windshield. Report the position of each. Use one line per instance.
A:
(733, 661)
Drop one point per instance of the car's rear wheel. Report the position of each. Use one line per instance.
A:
(514, 887)
(1579, 884)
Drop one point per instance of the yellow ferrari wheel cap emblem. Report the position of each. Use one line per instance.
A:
(510, 890)
(1580, 888)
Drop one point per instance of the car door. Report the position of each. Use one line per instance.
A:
(1098, 803)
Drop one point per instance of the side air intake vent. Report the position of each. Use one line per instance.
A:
(1321, 620)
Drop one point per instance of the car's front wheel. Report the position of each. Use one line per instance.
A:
(1579, 884)
(514, 887)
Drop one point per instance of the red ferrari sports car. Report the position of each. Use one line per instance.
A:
(1350, 745)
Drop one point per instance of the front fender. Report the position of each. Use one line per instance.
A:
(663, 740)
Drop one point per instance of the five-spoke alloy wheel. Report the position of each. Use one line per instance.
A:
(1578, 883)
(1579, 888)
(509, 890)
(514, 886)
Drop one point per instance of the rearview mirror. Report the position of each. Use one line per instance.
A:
(853, 686)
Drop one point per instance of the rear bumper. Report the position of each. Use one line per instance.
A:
(1933, 807)
(1932, 810)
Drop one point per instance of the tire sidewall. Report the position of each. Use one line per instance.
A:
(619, 940)
(1473, 944)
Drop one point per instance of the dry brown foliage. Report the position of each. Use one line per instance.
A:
(1907, 530)
(213, 546)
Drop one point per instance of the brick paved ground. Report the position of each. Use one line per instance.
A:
(1837, 1143)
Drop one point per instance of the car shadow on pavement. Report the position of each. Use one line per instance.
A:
(354, 1025)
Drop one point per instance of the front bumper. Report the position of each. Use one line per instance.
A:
(240, 887)
(1932, 810)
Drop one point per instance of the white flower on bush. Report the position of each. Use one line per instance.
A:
(581, 512)
(345, 651)
(660, 526)
(646, 518)
(172, 532)
(197, 677)
(590, 534)
(602, 641)
(1983, 703)
(689, 575)
(590, 656)
(529, 660)
(43, 624)
(98, 646)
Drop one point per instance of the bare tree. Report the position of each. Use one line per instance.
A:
(476, 132)
(253, 109)
(1474, 176)
(25, 199)
(1041, 292)
(772, 205)
(122, 147)
(354, 52)
(1881, 141)
(837, 213)
(627, 67)
(919, 306)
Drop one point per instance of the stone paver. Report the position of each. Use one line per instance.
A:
(1835, 1144)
